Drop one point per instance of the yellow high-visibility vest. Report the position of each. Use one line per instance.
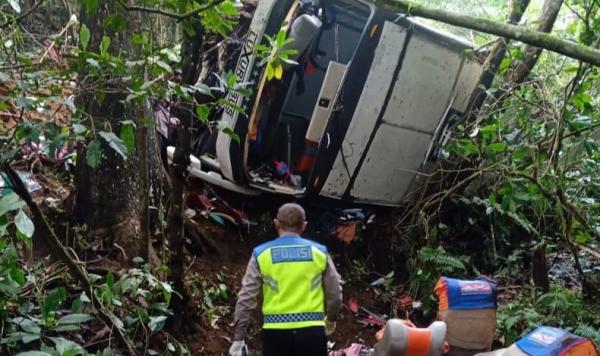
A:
(292, 271)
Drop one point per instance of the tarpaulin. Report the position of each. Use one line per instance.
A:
(459, 294)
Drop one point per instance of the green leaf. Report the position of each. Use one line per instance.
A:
(228, 8)
(104, 45)
(17, 275)
(34, 353)
(92, 62)
(93, 154)
(74, 319)
(53, 302)
(156, 323)
(66, 328)
(128, 135)
(497, 147)
(10, 202)
(27, 338)
(15, 5)
(30, 326)
(79, 129)
(280, 38)
(278, 71)
(24, 224)
(66, 347)
(164, 66)
(202, 111)
(270, 71)
(115, 143)
(115, 23)
(91, 6)
(231, 134)
(84, 36)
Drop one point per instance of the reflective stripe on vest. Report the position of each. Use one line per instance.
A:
(292, 269)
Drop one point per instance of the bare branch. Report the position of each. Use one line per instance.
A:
(23, 15)
(175, 15)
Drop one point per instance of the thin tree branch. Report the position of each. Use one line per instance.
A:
(23, 15)
(175, 15)
(60, 252)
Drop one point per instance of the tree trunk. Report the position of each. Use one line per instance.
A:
(522, 68)
(519, 33)
(190, 71)
(109, 197)
(539, 269)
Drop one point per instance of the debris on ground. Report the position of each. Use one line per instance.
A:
(208, 204)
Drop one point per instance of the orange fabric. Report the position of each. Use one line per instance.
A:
(585, 348)
(419, 342)
(346, 232)
(442, 292)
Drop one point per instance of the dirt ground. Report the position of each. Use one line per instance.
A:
(227, 267)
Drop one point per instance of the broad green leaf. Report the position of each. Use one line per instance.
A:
(115, 143)
(91, 6)
(34, 353)
(74, 319)
(128, 136)
(27, 338)
(270, 71)
(164, 66)
(278, 71)
(53, 302)
(202, 111)
(280, 38)
(84, 36)
(231, 134)
(228, 8)
(156, 323)
(30, 326)
(66, 347)
(79, 129)
(66, 327)
(497, 147)
(24, 224)
(15, 5)
(92, 62)
(10, 202)
(17, 275)
(93, 154)
(104, 45)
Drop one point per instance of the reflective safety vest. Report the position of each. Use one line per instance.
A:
(292, 272)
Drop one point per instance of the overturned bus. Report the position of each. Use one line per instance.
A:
(356, 119)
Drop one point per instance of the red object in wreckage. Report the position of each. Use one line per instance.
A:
(215, 206)
(353, 305)
(372, 321)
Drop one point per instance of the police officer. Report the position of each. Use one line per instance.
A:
(302, 295)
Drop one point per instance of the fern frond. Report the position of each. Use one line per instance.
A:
(589, 332)
(440, 258)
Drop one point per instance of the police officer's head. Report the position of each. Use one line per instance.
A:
(290, 219)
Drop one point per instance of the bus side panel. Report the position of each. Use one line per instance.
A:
(367, 110)
(421, 95)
